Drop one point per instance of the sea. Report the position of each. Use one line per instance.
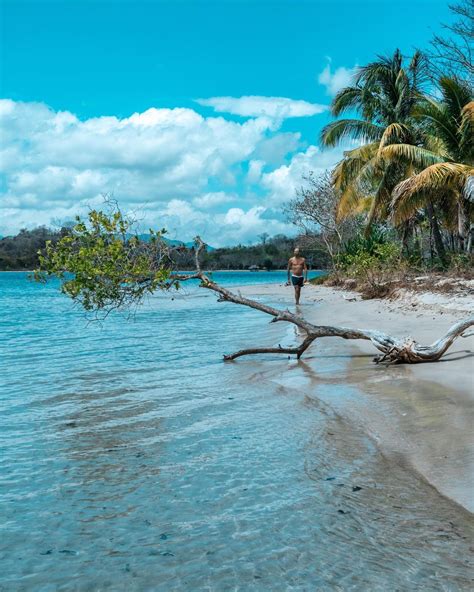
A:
(133, 458)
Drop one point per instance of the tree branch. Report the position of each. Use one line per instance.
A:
(394, 350)
(273, 350)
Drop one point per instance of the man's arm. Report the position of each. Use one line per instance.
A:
(289, 267)
(305, 269)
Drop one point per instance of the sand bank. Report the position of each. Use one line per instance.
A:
(422, 415)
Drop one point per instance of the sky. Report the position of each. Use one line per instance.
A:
(202, 117)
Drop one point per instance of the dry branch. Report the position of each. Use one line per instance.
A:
(393, 350)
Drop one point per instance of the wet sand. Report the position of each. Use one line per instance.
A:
(421, 416)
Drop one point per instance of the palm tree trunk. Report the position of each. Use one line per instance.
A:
(462, 225)
(438, 239)
(406, 238)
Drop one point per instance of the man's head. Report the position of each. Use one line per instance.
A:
(296, 252)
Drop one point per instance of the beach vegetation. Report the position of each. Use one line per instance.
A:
(103, 266)
(401, 199)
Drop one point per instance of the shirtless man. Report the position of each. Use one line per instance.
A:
(299, 273)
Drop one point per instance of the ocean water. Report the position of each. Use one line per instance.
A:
(133, 458)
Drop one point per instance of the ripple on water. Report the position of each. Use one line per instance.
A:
(133, 459)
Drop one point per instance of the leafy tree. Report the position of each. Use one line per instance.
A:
(442, 165)
(102, 266)
(384, 95)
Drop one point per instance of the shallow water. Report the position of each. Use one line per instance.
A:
(133, 458)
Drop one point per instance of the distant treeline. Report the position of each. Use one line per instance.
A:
(20, 252)
(271, 253)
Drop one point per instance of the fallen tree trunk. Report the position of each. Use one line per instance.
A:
(393, 350)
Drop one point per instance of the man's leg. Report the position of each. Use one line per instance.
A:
(297, 294)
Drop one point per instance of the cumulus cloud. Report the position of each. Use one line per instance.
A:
(273, 150)
(245, 225)
(283, 182)
(192, 174)
(213, 199)
(337, 80)
(255, 106)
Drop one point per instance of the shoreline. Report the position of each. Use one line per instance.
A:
(421, 416)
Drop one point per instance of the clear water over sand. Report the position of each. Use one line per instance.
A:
(133, 458)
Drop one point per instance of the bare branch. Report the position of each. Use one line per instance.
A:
(452, 53)
(394, 350)
(273, 350)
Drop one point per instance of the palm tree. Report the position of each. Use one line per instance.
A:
(384, 94)
(443, 163)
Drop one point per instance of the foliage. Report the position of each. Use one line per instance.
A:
(369, 251)
(444, 164)
(102, 266)
(384, 94)
(21, 251)
(461, 264)
(273, 254)
(416, 161)
(369, 260)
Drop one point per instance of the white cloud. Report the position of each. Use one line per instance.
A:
(173, 167)
(236, 225)
(255, 171)
(255, 106)
(283, 182)
(210, 200)
(245, 225)
(52, 159)
(337, 80)
(273, 150)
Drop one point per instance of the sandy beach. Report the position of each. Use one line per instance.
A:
(421, 416)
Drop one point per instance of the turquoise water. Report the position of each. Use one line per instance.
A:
(133, 458)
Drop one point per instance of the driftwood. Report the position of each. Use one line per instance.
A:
(393, 350)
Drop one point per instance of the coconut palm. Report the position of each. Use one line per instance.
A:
(443, 164)
(384, 94)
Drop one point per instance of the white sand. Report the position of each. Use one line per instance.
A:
(421, 415)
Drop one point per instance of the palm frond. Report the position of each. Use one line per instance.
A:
(456, 94)
(466, 132)
(404, 209)
(434, 118)
(395, 133)
(444, 175)
(347, 98)
(370, 182)
(416, 156)
(350, 202)
(418, 70)
(447, 200)
(347, 170)
(435, 144)
(382, 195)
(355, 129)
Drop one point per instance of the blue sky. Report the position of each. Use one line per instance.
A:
(202, 116)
